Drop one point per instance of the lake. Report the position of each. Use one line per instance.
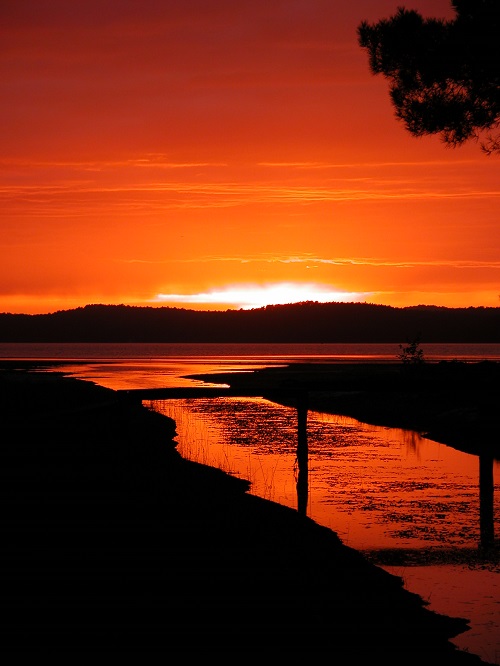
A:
(384, 491)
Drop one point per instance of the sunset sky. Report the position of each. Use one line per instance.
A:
(213, 154)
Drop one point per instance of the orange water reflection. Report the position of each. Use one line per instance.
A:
(375, 487)
(461, 591)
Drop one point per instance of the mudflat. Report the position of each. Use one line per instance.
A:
(117, 547)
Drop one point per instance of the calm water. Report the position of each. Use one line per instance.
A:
(378, 488)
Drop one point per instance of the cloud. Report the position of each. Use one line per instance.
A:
(252, 296)
(310, 260)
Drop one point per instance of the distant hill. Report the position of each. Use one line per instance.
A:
(299, 322)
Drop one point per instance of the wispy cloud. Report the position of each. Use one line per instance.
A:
(153, 182)
(72, 198)
(369, 165)
(150, 160)
(311, 260)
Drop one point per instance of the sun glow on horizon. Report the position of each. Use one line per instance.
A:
(253, 296)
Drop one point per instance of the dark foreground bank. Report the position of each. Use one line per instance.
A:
(118, 548)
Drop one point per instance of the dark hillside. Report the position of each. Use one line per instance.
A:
(300, 322)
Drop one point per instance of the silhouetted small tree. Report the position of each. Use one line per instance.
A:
(411, 353)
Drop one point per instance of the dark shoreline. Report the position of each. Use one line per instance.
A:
(118, 547)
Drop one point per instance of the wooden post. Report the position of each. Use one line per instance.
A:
(302, 453)
(486, 488)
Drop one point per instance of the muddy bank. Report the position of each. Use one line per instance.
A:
(119, 548)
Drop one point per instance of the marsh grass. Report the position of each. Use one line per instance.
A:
(202, 438)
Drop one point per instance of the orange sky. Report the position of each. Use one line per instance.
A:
(226, 154)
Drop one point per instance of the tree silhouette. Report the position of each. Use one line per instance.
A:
(444, 75)
(411, 353)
